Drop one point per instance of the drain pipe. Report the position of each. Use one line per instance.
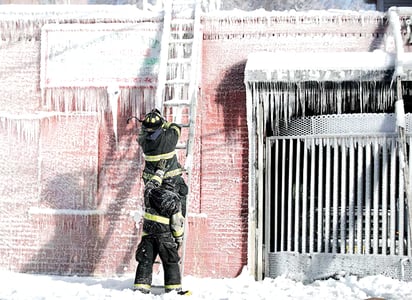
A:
(395, 26)
(403, 264)
(399, 73)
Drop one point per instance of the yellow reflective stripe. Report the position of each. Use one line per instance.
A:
(142, 286)
(157, 178)
(173, 286)
(177, 129)
(158, 219)
(166, 124)
(173, 173)
(147, 176)
(144, 233)
(178, 233)
(160, 156)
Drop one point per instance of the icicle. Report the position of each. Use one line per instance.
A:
(25, 127)
(113, 93)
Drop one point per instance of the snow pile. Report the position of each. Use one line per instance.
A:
(25, 286)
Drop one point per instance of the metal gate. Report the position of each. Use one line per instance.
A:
(334, 198)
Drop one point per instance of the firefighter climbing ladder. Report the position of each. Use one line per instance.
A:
(177, 88)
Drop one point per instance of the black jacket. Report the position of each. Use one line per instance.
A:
(162, 213)
(160, 144)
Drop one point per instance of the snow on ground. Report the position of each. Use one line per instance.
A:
(45, 287)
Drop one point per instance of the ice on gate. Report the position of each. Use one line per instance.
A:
(323, 81)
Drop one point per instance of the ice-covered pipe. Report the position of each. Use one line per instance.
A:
(399, 75)
(395, 26)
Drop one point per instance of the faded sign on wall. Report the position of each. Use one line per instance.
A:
(98, 55)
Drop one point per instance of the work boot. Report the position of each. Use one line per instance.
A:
(173, 287)
(143, 288)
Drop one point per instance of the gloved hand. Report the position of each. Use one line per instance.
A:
(162, 165)
(179, 242)
(147, 189)
(177, 226)
(161, 168)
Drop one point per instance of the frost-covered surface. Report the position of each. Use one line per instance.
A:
(378, 60)
(24, 286)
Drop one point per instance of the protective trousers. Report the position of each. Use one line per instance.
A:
(146, 253)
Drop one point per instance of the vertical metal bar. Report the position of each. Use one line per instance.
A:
(359, 202)
(268, 206)
(290, 196)
(261, 253)
(393, 198)
(384, 197)
(304, 196)
(351, 195)
(401, 207)
(405, 191)
(343, 200)
(327, 196)
(275, 203)
(409, 215)
(297, 197)
(368, 177)
(376, 186)
(283, 195)
(335, 195)
(312, 195)
(320, 196)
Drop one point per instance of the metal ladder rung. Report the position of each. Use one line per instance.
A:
(181, 145)
(176, 102)
(179, 60)
(177, 81)
(177, 7)
(181, 22)
(182, 2)
(181, 41)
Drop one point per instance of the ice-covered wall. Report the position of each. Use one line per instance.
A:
(70, 178)
(68, 189)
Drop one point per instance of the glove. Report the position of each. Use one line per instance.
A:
(150, 185)
(161, 165)
(157, 178)
(161, 168)
(177, 225)
(179, 242)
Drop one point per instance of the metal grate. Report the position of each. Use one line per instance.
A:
(339, 124)
(335, 185)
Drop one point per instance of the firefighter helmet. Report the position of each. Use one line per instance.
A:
(152, 120)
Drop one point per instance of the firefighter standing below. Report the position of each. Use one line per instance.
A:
(163, 229)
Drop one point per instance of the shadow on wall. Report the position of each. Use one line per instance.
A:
(82, 220)
(129, 174)
(64, 209)
(231, 99)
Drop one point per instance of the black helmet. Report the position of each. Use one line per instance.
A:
(152, 120)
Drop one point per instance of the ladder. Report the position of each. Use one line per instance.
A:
(178, 81)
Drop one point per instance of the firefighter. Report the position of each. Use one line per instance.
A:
(163, 229)
(158, 139)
